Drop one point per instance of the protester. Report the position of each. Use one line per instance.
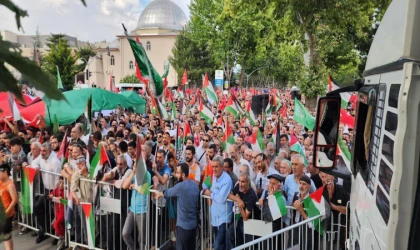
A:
(221, 210)
(187, 194)
(9, 199)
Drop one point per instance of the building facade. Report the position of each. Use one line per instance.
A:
(158, 26)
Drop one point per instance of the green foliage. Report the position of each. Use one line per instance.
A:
(130, 79)
(84, 54)
(335, 37)
(60, 56)
(189, 54)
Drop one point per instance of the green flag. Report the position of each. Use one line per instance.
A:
(146, 68)
(165, 74)
(55, 125)
(59, 82)
(302, 115)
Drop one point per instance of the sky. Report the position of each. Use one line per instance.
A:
(100, 20)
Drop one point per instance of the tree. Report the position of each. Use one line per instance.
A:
(60, 56)
(11, 54)
(190, 55)
(84, 54)
(130, 79)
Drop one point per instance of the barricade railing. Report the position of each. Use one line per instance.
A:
(108, 226)
(282, 236)
(152, 221)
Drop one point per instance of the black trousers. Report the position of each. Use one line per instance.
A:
(44, 212)
(185, 239)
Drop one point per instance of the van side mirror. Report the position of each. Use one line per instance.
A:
(326, 132)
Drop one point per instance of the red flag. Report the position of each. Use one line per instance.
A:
(193, 100)
(346, 118)
(184, 78)
(222, 104)
(197, 139)
(63, 147)
(283, 111)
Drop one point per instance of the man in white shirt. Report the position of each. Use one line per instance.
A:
(48, 162)
(238, 161)
(201, 152)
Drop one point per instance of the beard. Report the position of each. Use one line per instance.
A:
(233, 157)
(187, 159)
(302, 192)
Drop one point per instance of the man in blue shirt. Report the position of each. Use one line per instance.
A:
(291, 184)
(221, 210)
(188, 194)
(136, 213)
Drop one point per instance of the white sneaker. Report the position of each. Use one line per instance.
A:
(173, 237)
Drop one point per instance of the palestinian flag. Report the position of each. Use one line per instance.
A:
(62, 153)
(296, 147)
(274, 207)
(14, 107)
(228, 138)
(90, 223)
(174, 111)
(302, 116)
(98, 161)
(145, 66)
(28, 189)
(180, 93)
(208, 88)
(318, 203)
(250, 114)
(162, 111)
(231, 107)
(345, 97)
(179, 137)
(143, 180)
(257, 141)
(187, 130)
(346, 118)
(206, 112)
(208, 175)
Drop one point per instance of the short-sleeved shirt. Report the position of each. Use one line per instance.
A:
(138, 204)
(249, 198)
(339, 198)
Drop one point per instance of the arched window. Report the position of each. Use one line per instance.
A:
(131, 65)
(148, 46)
(112, 60)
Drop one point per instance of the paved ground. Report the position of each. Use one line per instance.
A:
(26, 242)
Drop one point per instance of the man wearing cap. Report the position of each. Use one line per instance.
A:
(306, 232)
(291, 184)
(9, 198)
(245, 200)
(275, 185)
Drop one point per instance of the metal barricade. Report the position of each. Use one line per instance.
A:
(108, 223)
(36, 210)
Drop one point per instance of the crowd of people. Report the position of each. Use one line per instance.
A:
(177, 160)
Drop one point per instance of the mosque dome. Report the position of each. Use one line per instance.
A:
(163, 14)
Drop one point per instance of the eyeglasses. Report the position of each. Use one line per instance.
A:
(205, 140)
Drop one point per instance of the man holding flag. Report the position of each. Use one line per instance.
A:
(308, 236)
